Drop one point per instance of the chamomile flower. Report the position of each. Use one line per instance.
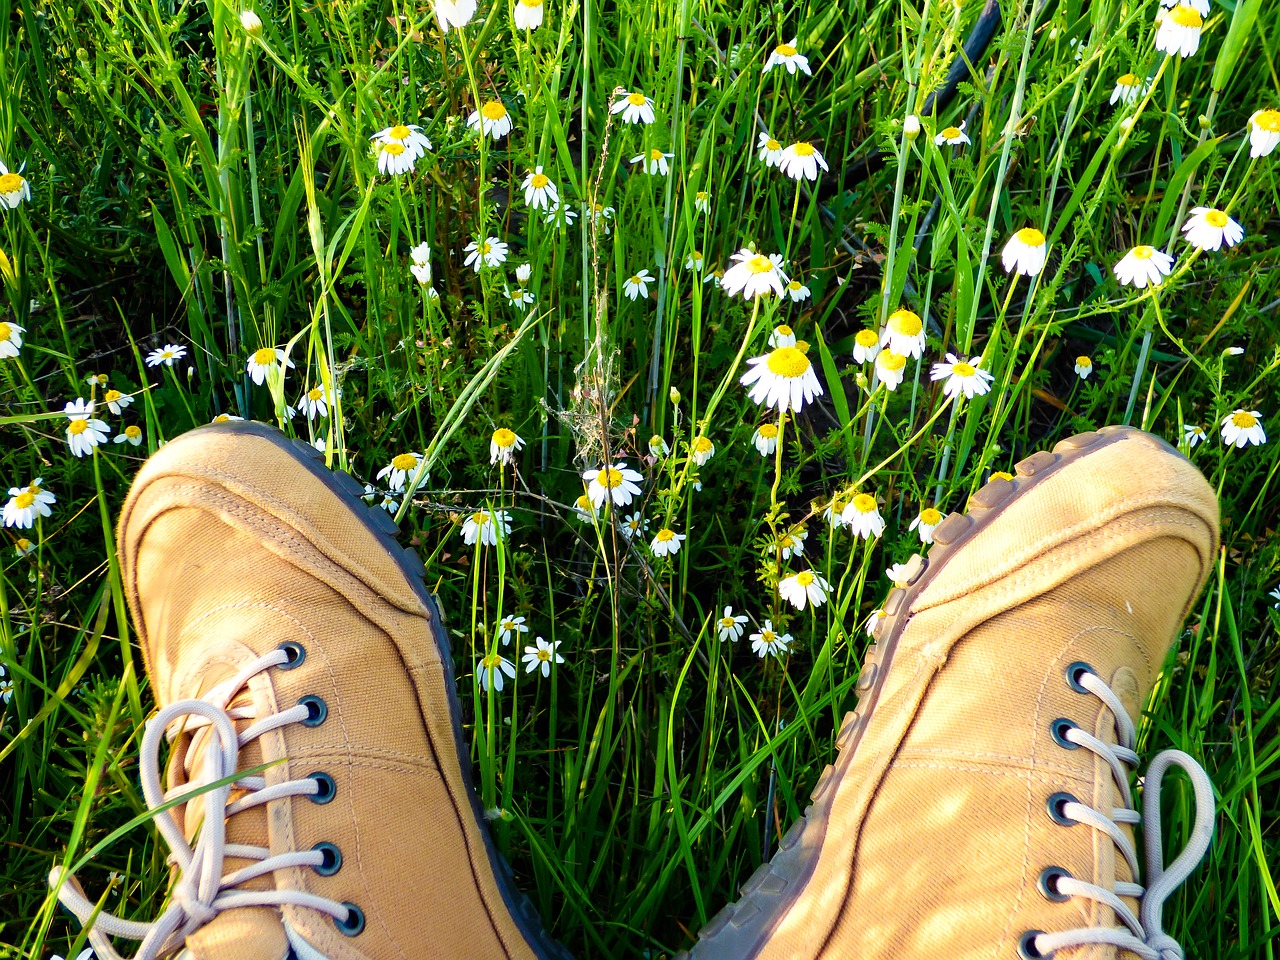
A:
(226, 418)
(873, 621)
(520, 298)
(560, 215)
(1208, 229)
(24, 548)
(1084, 367)
(1143, 266)
(803, 588)
(600, 215)
(834, 513)
(768, 641)
(504, 445)
(539, 192)
(787, 55)
(783, 378)
(84, 432)
(730, 627)
(509, 627)
(486, 527)
(862, 516)
(489, 252)
(891, 368)
(529, 14)
(492, 119)
(1243, 427)
(408, 135)
(389, 504)
(694, 261)
(263, 361)
(1194, 434)
(866, 344)
(523, 273)
(617, 484)
(634, 525)
(637, 285)
(116, 401)
(702, 201)
(11, 339)
(791, 544)
(801, 160)
(25, 504)
(899, 574)
(394, 158)
(1025, 253)
(1264, 132)
(1179, 31)
(454, 13)
(490, 670)
(1000, 475)
(903, 333)
(131, 434)
(541, 656)
(962, 376)
(765, 439)
(952, 135)
(402, 465)
(655, 162)
(169, 354)
(584, 509)
(634, 107)
(753, 274)
(782, 336)
(770, 150)
(797, 291)
(13, 188)
(6, 694)
(666, 542)
(1128, 89)
(658, 447)
(315, 402)
(925, 523)
(702, 450)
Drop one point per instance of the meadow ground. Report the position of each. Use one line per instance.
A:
(474, 265)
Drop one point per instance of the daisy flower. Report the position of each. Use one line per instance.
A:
(770, 150)
(560, 215)
(787, 55)
(834, 513)
(409, 136)
(601, 216)
(529, 14)
(1243, 427)
(504, 445)
(116, 401)
(524, 272)
(803, 588)
(783, 379)
(1025, 253)
(800, 161)
(1209, 229)
(1202, 6)
(539, 192)
(782, 336)
(315, 402)
(490, 252)
(509, 627)
(792, 544)
(952, 135)
(633, 525)
(925, 522)
(634, 107)
(584, 509)
(617, 484)
(1084, 367)
(702, 201)
(658, 447)
(389, 503)
(768, 642)
(765, 439)
(169, 354)
(702, 450)
(1128, 89)
(226, 418)
(730, 627)
(873, 621)
(797, 291)
(1264, 132)
(485, 526)
(26, 504)
(891, 368)
(519, 298)
(11, 339)
(542, 655)
(862, 516)
(694, 261)
(1179, 31)
(457, 14)
(655, 162)
(1000, 475)
(263, 361)
(489, 671)
(399, 469)
(23, 548)
(492, 119)
(394, 158)
(131, 434)
(899, 574)
(866, 344)
(962, 376)
(84, 432)
(666, 543)
(903, 333)
(1193, 433)
(753, 274)
(637, 285)
(1143, 265)
(13, 188)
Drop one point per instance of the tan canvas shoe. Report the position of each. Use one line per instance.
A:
(281, 624)
(980, 805)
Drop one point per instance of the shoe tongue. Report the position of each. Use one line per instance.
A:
(248, 933)
(1124, 684)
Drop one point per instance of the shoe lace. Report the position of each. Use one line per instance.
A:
(203, 890)
(1144, 934)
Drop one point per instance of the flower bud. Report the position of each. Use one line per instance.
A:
(674, 397)
(911, 127)
(251, 22)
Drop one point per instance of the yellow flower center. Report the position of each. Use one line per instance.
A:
(23, 544)
(864, 503)
(1142, 253)
(493, 110)
(393, 148)
(1030, 236)
(404, 462)
(399, 132)
(888, 360)
(5, 332)
(1244, 420)
(530, 3)
(508, 625)
(1216, 218)
(133, 431)
(930, 517)
(544, 654)
(804, 579)
(504, 438)
(794, 285)
(635, 280)
(315, 393)
(222, 418)
(772, 145)
(665, 535)
(767, 430)
(655, 154)
(788, 362)
(768, 636)
(111, 396)
(539, 180)
(656, 442)
(696, 256)
(1084, 362)
(866, 338)
(1128, 80)
(485, 248)
(803, 149)
(77, 427)
(1001, 475)
(1185, 16)
(963, 369)
(479, 518)
(727, 622)
(610, 478)
(785, 50)
(782, 329)
(24, 500)
(951, 133)
(492, 660)
(906, 323)
(787, 542)
(584, 503)
(702, 445)
(10, 183)
(264, 357)
(34, 490)
(636, 99)
(1268, 120)
(703, 195)
(760, 264)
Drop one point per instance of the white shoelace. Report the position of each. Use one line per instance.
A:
(1144, 934)
(203, 890)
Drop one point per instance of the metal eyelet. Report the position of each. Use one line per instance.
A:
(317, 712)
(332, 862)
(1058, 729)
(1048, 884)
(1027, 946)
(353, 926)
(1056, 807)
(328, 789)
(295, 652)
(1075, 671)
